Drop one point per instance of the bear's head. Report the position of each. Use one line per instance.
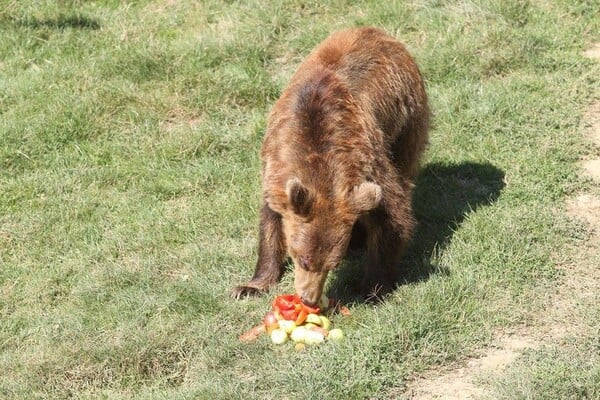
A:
(317, 225)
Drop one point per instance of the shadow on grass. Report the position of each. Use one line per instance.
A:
(59, 23)
(444, 195)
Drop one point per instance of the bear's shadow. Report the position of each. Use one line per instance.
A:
(444, 195)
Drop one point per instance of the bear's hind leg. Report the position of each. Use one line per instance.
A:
(386, 244)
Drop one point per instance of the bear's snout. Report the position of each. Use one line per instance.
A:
(309, 285)
(308, 302)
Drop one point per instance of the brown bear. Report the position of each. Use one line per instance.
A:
(339, 157)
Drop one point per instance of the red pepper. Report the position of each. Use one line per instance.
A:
(290, 315)
(290, 307)
(285, 301)
(301, 317)
(310, 310)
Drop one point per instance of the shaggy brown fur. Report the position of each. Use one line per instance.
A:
(341, 150)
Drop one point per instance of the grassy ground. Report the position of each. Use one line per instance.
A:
(129, 191)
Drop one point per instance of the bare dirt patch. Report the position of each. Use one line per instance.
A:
(592, 168)
(461, 382)
(454, 385)
(592, 123)
(592, 131)
(593, 51)
(585, 207)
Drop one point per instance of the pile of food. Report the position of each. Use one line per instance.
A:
(291, 319)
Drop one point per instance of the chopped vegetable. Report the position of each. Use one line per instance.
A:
(299, 334)
(345, 311)
(291, 319)
(313, 319)
(336, 334)
(323, 302)
(270, 321)
(278, 336)
(325, 323)
(287, 326)
(313, 337)
(291, 307)
(252, 334)
(301, 317)
(322, 331)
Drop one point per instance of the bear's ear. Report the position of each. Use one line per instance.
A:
(365, 197)
(299, 197)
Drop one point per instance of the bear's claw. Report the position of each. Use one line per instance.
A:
(240, 292)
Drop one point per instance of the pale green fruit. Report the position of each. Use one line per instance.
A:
(287, 326)
(299, 334)
(336, 334)
(323, 302)
(325, 322)
(310, 325)
(313, 337)
(278, 336)
(313, 319)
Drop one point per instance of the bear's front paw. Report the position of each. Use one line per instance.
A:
(242, 291)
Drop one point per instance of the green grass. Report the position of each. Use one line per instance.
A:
(129, 193)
